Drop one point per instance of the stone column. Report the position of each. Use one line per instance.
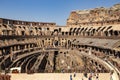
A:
(25, 47)
(90, 51)
(11, 53)
(14, 48)
(18, 47)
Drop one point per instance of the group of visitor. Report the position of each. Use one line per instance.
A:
(91, 75)
(86, 76)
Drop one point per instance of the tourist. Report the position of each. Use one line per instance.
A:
(111, 76)
(70, 77)
(97, 78)
(85, 74)
(111, 73)
(74, 74)
(90, 76)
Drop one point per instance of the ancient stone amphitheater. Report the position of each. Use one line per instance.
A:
(90, 42)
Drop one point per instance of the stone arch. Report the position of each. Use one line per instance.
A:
(109, 27)
(71, 29)
(86, 29)
(70, 33)
(66, 33)
(63, 33)
(93, 32)
(40, 28)
(74, 30)
(96, 63)
(56, 43)
(111, 32)
(106, 33)
(81, 29)
(98, 29)
(103, 29)
(55, 32)
(116, 33)
(77, 31)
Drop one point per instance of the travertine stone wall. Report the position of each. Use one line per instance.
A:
(95, 17)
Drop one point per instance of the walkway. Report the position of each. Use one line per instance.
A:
(55, 76)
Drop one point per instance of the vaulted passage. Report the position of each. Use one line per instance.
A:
(43, 63)
(54, 60)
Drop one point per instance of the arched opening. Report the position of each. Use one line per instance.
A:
(62, 33)
(56, 43)
(56, 32)
(109, 27)
(69, 33)
(71, 29)
(59, 29)
(116, 33)
(111, 32)
(98, 28)
(40, 28)
(96, 63)
(103, 28)
(22, 33)
(106, 33)
(43, 64)
(74, 30)
(78, 30)
(66, 33)
(82, 29)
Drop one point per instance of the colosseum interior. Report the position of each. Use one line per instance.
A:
(90, 41)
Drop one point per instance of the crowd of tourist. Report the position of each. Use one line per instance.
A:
(86, 76)
(89, 76)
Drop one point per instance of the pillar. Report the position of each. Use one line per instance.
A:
(90, 51)
(14, 48)
(18, 47)
(25, 47)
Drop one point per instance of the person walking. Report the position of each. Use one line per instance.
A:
(70, 77)
(74, 74)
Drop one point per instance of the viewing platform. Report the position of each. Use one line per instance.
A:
(57, 76)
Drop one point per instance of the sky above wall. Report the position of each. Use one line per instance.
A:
(47, 10)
